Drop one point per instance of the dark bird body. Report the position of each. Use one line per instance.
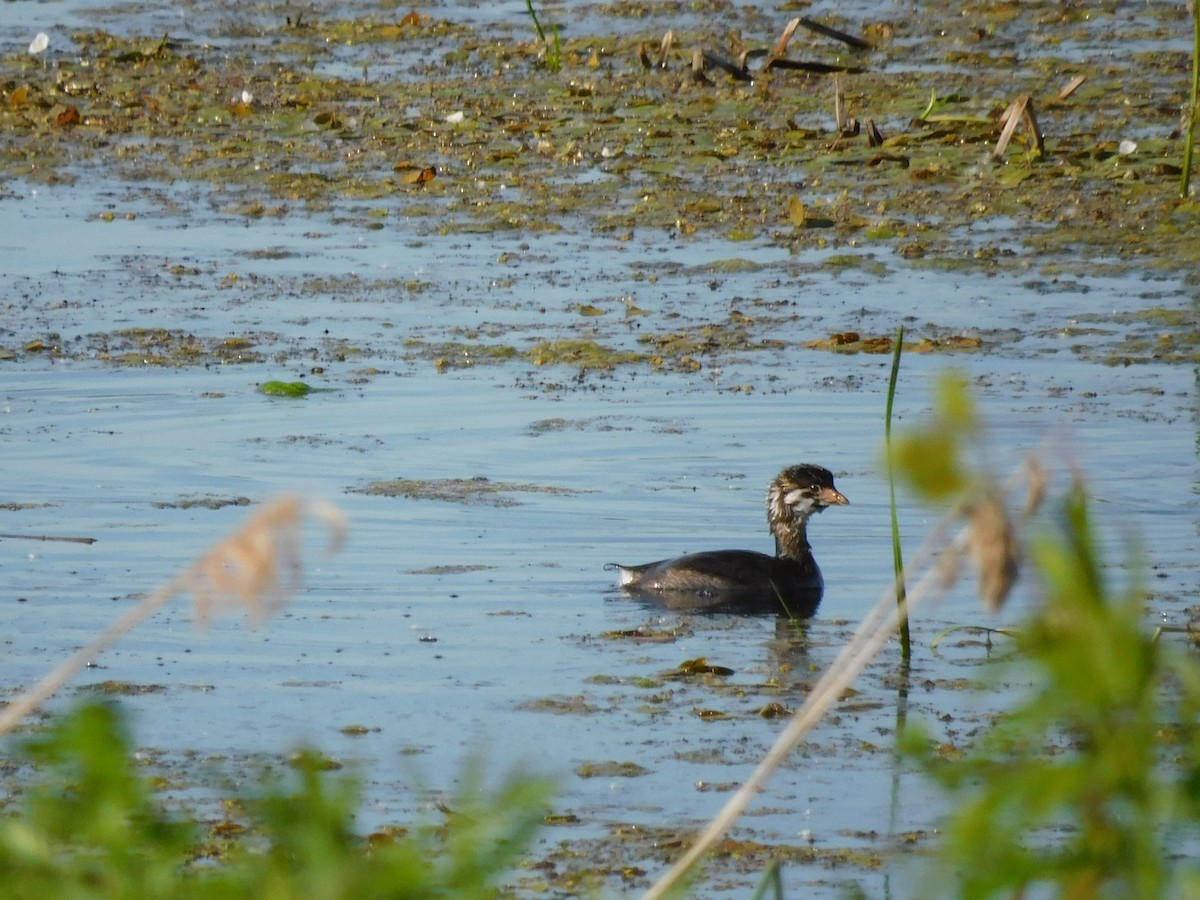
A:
(789, 582)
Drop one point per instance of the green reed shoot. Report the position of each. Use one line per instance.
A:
(897, 553)
(1190, 138)
(553, 50)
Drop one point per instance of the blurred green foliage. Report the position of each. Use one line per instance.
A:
(90, 826)
(1089, 785)
(930, 456)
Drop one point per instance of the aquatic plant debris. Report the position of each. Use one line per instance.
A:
(776, 125)
(459, 490)
(293, 389)
(457, 128)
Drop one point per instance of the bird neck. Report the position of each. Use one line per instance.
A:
(791, 540)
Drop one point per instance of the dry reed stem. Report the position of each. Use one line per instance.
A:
(873, 632)
(49, 537)
(1071, 87)
(257, 568)
(785, 38)
(1020, 111)
(1009, 119)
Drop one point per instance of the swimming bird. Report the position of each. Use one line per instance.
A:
(789, 582)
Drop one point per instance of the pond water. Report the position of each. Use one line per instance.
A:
(451, 629)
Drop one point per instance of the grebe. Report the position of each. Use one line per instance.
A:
(742, 580)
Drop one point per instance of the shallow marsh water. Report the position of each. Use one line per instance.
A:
(449, 628)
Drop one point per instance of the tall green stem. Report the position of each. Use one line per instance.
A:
(553, 51)
(1190, 139)
(897, 554)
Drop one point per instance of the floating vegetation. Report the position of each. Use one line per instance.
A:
(450, 570)
(585, 354)
(124, 688)
(603, 112)
(575, 706)
(853, 342)
(663, 126)
(293, 389)
(459, 490)
(202, 503)
(611, 770)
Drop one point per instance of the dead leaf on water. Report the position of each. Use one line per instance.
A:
(797, 212)
(415, 175)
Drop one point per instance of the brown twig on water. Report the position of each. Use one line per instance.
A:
(776, 60)
(1071, 87)
(738, 72)
(48, 537)
(839, 105)
(785, 38)
(856, 42)
(816, 68)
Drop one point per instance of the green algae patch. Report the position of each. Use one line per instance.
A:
(1152, 335)
(157, 347)
(451, 355)
(202, 503)
(124, 688)
(585, 354)
(854, 342)
(630, 849)
(611, 769)
(292, 389)
(572, 706)
(681, 349)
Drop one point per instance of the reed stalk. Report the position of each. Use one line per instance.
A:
(1190, 138)
(897, 553)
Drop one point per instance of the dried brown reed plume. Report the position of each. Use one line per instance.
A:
(257, 568)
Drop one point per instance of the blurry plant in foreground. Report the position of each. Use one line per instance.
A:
(87, 824)
(1090, 785)
(91, 826)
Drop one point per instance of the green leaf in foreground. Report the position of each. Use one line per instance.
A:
(930, 457)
